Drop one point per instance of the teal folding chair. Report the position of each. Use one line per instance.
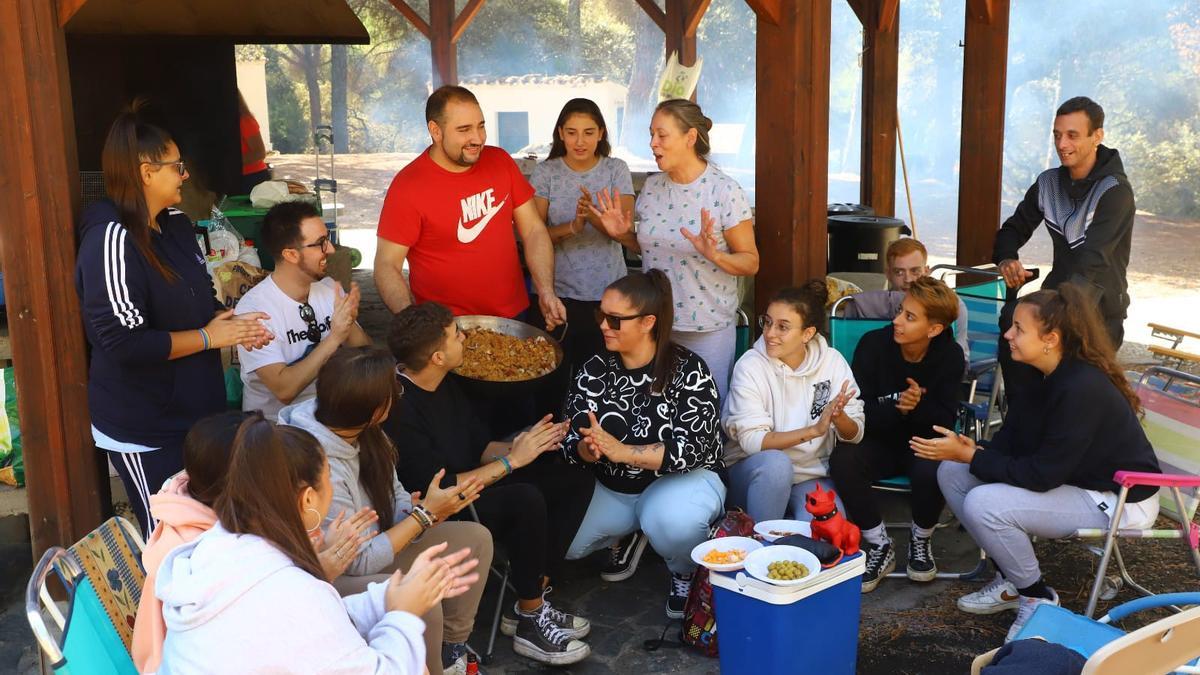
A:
(844, 335)
(103, 577)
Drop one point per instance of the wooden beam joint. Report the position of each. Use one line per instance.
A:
(656, 15)
(413, 17)
(768, 11)
(694, 14)
(464, 19)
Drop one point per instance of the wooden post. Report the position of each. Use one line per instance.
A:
(881, 50)
(981, 157)
(682, 19)
(443, 31)
(792, 160)
(39, 191)
(442, 48)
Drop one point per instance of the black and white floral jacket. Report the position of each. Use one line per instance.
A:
(685, 417)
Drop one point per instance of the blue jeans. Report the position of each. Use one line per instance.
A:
(674, 512)
(762, 484)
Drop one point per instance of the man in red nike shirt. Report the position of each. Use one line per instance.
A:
(451, 212)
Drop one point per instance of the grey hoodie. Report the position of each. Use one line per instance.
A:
(348, 492)
(235, 603)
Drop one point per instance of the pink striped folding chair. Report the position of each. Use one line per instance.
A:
(1171, 400)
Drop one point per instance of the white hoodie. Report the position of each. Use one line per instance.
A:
(348, 492)
(236, 604)
(766, 395)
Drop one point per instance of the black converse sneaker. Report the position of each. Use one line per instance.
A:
(623, 558)
(574, 626)
(881, 560)
(681, 585)
(538, 637)
(921, 565)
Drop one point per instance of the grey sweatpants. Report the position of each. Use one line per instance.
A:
(1001, 518)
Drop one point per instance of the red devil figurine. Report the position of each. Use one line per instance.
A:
(829, 525)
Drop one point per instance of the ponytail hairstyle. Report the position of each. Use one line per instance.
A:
(1073, 314)
(131, 142)
(650, 294)
(809, 301)
(351, 388)
(579, 106)
(268, 468)
(689, 116)
(207, 451)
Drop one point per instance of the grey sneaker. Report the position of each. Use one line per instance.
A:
(575, 627)
(1025, 609)
(539, 638)
(998, 596)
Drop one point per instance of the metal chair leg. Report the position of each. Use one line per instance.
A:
(1188, 530)
(491, 645)
(1109, 542)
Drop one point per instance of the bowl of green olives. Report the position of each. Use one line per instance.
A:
(782, 565)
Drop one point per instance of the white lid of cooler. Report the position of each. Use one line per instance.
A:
(743, 583)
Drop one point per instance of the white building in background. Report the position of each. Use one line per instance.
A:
(521, 110)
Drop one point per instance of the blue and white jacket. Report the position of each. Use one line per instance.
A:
(135, 393)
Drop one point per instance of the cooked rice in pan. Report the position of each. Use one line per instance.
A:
(496, 357)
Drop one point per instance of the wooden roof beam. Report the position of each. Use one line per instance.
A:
(984, 11)
(656, 15)
(880, 14)
(464, 19)
(694, 14)
(768, 11)
(413, 17)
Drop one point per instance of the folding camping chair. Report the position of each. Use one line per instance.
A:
(103, 577)
(502, 570)
(844, 335)
(1161, 647)
(1172, 423)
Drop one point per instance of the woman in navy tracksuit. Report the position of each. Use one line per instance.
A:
(150, 313)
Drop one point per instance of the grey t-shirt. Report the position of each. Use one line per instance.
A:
(588, 262)
(706, 296)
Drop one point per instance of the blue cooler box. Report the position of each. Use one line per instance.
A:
(762, 628)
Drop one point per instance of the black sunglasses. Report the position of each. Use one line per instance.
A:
(309, 315)
(614, 320)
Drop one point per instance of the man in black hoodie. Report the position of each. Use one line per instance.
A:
(1087, 205)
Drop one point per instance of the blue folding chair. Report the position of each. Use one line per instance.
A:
(103, 576)
(1160, 647)
(844, 335)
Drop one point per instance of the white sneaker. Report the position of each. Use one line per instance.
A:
(995, 597)
(1026, 609)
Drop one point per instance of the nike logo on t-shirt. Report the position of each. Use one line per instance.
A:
(482, 206)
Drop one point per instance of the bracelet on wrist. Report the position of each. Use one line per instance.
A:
(508, 468)
(423, 517)
(204, 337)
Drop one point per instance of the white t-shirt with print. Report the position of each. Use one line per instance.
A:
(705, 295)
(291, 341)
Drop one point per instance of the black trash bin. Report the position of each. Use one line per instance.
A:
(844, 209)
(857, 243)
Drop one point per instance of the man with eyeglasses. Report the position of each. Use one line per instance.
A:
(310, 315)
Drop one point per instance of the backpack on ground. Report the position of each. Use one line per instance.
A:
(699, 621)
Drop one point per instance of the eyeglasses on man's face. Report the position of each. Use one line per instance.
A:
(319, 244)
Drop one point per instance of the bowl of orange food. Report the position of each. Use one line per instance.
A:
(724, 554)
(506, 357)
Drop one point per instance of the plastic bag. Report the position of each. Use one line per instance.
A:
(12, 464)
(224, 241)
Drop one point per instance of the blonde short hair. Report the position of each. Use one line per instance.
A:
(938, 299)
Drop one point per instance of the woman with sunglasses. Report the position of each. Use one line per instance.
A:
(791, 400)
(644, 416)
(150, 313)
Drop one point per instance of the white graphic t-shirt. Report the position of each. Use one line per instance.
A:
(705, 295)
(293, 338)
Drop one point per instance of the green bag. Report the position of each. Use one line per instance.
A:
(233, 388)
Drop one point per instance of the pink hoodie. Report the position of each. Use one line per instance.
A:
(180, 520)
